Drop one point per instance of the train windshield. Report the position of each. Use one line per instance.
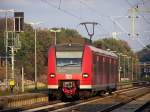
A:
(69, 62)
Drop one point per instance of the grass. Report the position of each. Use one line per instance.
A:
(27, 88)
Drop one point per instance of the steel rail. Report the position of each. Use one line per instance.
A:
(68, 105)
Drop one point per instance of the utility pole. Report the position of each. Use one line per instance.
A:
(6, 42)
(35, 57)
(35, 51)
(133, 17)
(132, 68)
(12, 62)
(124, 69)
(6, 51)
(128, 72)
(134, 12)
(136, 69)
(119, 66)
(22, 77)
(93, 26)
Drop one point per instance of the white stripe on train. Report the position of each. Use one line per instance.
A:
(97, 87)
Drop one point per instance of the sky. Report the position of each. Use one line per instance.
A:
(111, 16)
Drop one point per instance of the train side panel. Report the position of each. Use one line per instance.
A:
(104, 72)
(86, 83)
(52, 82)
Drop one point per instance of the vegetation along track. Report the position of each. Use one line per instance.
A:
(103, 103)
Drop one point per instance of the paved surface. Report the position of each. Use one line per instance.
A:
(102, 104)
(134, 105)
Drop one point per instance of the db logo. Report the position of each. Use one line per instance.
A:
(68, 76)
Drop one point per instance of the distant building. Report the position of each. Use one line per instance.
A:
(145, 69)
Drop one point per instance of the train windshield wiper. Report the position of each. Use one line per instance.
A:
(70, 64)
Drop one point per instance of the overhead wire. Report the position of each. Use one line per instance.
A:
(140, 14)
(95, 11)
(104, 16)
(118, 24)
(62, 10)
(59, 4)
(138, 39)
(145, 46)
(79, 18)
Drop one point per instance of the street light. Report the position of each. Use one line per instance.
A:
(35, 37)
(55, 31)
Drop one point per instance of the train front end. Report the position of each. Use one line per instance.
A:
(67, 73)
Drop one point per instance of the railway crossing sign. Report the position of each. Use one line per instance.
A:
(11, 82)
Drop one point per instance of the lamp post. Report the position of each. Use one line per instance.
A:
(55, 31)
(35, 52)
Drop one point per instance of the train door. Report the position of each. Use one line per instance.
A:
(101, 69)
(97, 70)
(104, 71)
(111, 74)
(94, 70)
(112, 70)
(107, 68)
(115, 71)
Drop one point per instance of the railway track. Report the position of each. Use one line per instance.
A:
(56, 104)
(103, 103)
(34, 98)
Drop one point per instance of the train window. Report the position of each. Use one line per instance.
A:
(69, 62)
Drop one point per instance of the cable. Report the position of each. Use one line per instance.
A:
(93, 10)
(140, 14)
(111, 18)
(59, 4)
(140, 41)
(62, 10)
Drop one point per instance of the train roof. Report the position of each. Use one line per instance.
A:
(104, 52)
(80, 47)
(70, 47)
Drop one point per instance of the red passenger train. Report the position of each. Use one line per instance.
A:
(76, 70)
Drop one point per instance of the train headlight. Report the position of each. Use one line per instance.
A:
(85, 75)
(52, 75)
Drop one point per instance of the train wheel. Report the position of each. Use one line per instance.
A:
(100, 93)
(110, 91)
(76, 96)
(59, 94)
(50, 95)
